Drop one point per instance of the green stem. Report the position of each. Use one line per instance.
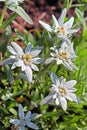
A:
(3, 14)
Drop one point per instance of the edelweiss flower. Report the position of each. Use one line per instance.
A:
(63, 30)
(24, 120)
(64, 55)
(26, 60)
(61, 91)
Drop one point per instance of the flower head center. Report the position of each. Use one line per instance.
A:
(23, 122)
(27, 58)
(61, 30)
(62, 55)
(62, 91)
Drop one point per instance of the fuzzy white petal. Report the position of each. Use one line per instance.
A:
(54, 78)
(16, 47)
(55, 21)
(70, 83)
(11, 50)
(15, 121)
(69, 23)
(46, 26)
(47, 99)
(62, 16)
(63, 103)
(28, 48)
(35, 52)
(28, 72)
(32, 125)
(34, 67)
(21, 111)
(37, 60)
(49, 60)
(28, 115)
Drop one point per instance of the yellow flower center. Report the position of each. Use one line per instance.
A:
(63, 55)
(62, 91)
(27, 58)
(61, 30)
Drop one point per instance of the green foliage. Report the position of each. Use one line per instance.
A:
(14, 90)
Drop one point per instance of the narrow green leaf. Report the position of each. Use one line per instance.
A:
(20, 11)
(80, 17)
(8, 21)
(13, 111)
(9, 74)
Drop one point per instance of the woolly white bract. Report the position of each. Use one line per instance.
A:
(61, 29)
(61, 91)
(64, 55)
(26, 60)
(24, 120)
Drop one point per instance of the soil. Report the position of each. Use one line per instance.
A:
(38, 10)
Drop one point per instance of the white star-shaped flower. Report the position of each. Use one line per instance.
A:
(64, 55)
(24, 120)
(26, 60)
(61, 91)
(61, 29)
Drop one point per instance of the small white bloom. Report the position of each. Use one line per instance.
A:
(26, 60)
(61, 91)
(63, 30)
(24, 120)
(64, 55)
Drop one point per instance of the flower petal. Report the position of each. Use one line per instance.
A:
(46, 26)
(32, 125)
(15, 121)
(21, 111)
(35, 52)
(64, 38)
(28, 72)
(72, 97)
(55, 21)
(47, 99)
(72, 31)
(16, 47)
(63, 103)
(37, 60)
(62, 16)
(7, 61)
(11, 50)
(69, 23)
(70, 83)
(28, 115)
(21, 127)
(34, 67)
(49, 60)
(57, 101)
(54, 78)
(58, 61)
(28, 48)
(13, 66)
(66, 65)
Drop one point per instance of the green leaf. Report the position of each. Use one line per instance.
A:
(80, 17)
(20, 11)
(8, 21)
(9, 74)
(13, 111)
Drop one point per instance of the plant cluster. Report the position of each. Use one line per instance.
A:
(43, 76)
